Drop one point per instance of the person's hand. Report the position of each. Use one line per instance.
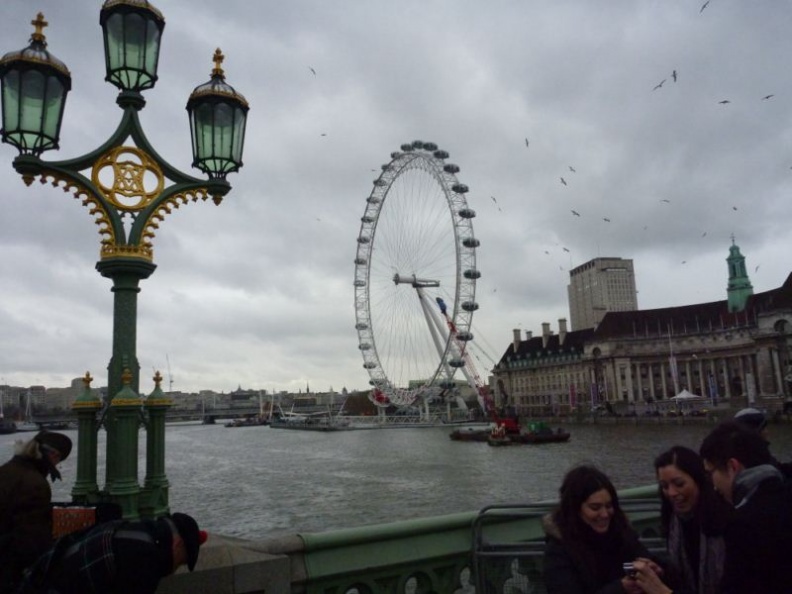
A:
(630, 585)
(647, 579)
(655, 567)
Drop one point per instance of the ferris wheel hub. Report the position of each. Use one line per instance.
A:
(418, 283)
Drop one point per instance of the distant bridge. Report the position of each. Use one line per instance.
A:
(207, 415)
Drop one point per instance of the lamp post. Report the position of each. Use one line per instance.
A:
(122, 181)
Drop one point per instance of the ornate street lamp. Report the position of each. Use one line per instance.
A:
(35, 84)
(217, 124)
(122, 181)
(132, 31)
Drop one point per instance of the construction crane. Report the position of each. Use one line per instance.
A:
(170, 375)
(510, 424)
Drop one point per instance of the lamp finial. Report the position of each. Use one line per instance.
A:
(218, 60)
(39, 23)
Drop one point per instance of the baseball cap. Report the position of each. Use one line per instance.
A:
(751, 417)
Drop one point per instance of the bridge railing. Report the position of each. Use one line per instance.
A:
(438, 555)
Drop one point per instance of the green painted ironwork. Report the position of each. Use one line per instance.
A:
(126, 257)
(436, 555)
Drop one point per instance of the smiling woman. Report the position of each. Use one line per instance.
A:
(693, 519)
(590, 544)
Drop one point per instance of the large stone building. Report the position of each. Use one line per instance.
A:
(599, 286)
(736, 349)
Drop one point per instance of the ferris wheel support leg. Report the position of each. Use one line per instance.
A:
(430, 321)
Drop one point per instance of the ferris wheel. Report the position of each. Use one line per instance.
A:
(415, 277)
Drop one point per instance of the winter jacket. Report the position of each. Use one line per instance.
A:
(25, 517)
(759, 538)
(117, 557)
(565, 572)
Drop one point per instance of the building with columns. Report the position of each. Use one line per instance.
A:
(737, 349)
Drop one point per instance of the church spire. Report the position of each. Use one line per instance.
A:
(739, 287)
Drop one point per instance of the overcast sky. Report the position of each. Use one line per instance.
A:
(258, 291)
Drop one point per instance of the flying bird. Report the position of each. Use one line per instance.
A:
(565, 249)
(563, 181)
(766, 97)
(674, 75)
(572, 169)
(312, 70)
(757, 268)
(323, 134)
(724, 102)
(703, 6)
(658, 85)
(546, 252)
(527, 143)
(666, 200)
(704, 234)
(606, 219)
(576, 213)
(734, 208)
(684, 261)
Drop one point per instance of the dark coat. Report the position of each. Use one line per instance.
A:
(118, 557)
(565, 572)
(25, 517)
(758, 543)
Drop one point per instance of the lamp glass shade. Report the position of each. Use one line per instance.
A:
(218, 135)
(132, 42)
(33, 103)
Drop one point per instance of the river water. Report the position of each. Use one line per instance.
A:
(258, 482)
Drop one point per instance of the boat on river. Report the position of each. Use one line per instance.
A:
(537, 433)
(325, 423)
(255, 421)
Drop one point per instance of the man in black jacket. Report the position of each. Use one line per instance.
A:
(119, 557)
(759, 538)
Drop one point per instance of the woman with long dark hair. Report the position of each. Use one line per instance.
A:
(589, 539)
(693, 518)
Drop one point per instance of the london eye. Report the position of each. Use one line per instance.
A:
(415, 277)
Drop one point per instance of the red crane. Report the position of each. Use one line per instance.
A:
(510, 424)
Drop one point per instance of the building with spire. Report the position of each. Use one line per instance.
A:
(738, 349)
(739, 287)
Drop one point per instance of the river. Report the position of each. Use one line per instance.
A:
(258, 482)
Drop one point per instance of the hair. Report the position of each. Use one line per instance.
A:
(733, 440)
(711, 510)
(579, 484)
(28, 449)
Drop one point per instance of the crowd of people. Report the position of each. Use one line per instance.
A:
(726, 516)
(114, 556)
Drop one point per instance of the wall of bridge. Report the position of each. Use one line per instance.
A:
(415, 556)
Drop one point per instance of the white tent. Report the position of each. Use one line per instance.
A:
(685, 396)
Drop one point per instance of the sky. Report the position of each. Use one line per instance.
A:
(258, 292)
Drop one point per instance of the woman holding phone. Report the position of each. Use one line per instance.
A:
(590, 546)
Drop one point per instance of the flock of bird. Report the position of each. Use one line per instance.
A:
(674, 76)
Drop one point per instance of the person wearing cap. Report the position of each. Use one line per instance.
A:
(755, 420)
(25, 503)
(118, 557)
